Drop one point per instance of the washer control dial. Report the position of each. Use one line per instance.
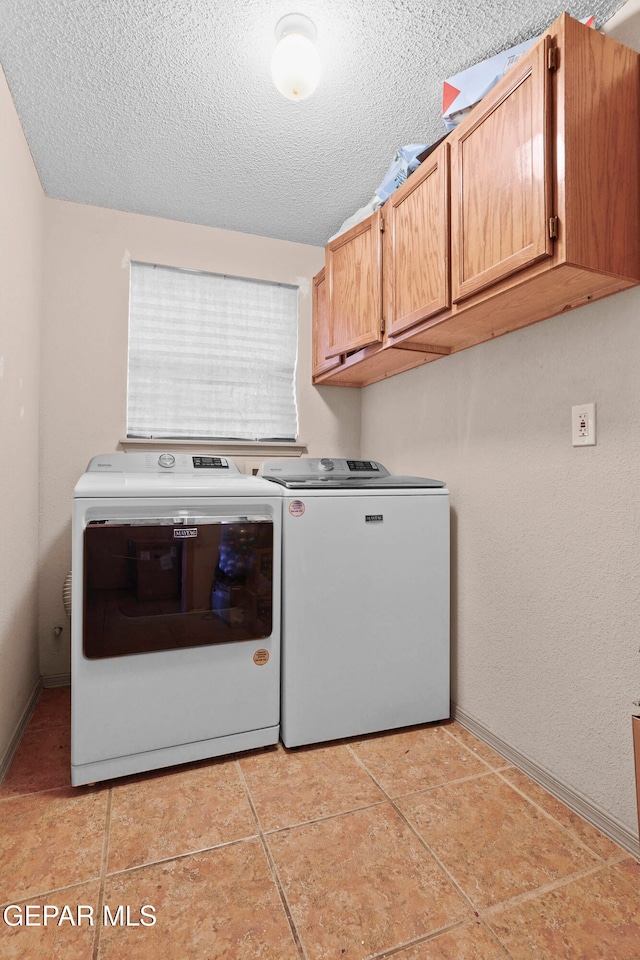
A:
(326, 464)
(166, 460)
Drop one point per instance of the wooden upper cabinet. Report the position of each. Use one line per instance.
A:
(502, 179)
(417, 245)
(598, 148)
(320, 336)
(354, 277)
(544, 201)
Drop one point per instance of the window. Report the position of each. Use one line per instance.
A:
(210, 356)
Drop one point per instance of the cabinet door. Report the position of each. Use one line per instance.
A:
(417, 222)
(354, 272)
(320, 362)
(502, 179)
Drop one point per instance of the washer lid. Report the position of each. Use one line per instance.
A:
(339, 473)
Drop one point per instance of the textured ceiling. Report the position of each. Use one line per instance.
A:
(166, 107)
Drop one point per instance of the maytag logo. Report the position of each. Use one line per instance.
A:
(182, 533)
(373, 517)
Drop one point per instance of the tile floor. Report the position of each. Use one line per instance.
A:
(417, 845)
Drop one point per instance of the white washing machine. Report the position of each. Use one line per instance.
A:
(176, 613)
(365, 603)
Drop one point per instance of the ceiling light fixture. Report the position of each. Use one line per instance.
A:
(295, 64)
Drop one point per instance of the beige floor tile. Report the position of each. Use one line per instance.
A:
(476, 745)
(493, 841)
(471, 941)
(53, 937)
(52, 709)
(594, 918)
(181, 811)
(357, 879)
(594, 839)
(361, 883)
(218, 905)
(415, 759)
(50, 840)
(294, 786)
(41, 762)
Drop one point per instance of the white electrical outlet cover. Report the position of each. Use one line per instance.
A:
(583, 425)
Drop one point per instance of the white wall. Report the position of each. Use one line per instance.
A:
(546, 536)
(84, 372)
(21, 236)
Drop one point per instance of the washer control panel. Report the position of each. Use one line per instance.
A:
(210, 463)
(334, 468)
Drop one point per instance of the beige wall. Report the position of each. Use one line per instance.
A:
(21, 237)
(546, 536)
(84, 374)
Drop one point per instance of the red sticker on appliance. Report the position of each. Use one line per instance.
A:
(296, 508)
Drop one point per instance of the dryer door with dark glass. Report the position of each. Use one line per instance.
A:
(154, 584)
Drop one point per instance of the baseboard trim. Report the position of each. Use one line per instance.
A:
(57, 680)
(7, 756)
(579, 804)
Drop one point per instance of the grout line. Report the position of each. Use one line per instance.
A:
(500, 771)
(182, 855)
(75, 791)
(103, 872)
(33, 793)
(46, 893)
(494, 936)
(529, 894)
(328, 816)
(445, 783)
(419, 941)
(558, 884)
(243, 781)
(617, 858)
(421, 839)
(436, 859)
(275, 876)
(394, 951)
(622, 875)
(427, 789)
(611, 827)
(549, 816)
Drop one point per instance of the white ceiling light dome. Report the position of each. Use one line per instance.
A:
(295, 64)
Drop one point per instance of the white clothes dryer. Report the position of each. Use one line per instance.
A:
(365, 604)
(175, 613)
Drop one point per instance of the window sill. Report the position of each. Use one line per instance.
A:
(231, 448)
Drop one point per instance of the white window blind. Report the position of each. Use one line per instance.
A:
(211, 356)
